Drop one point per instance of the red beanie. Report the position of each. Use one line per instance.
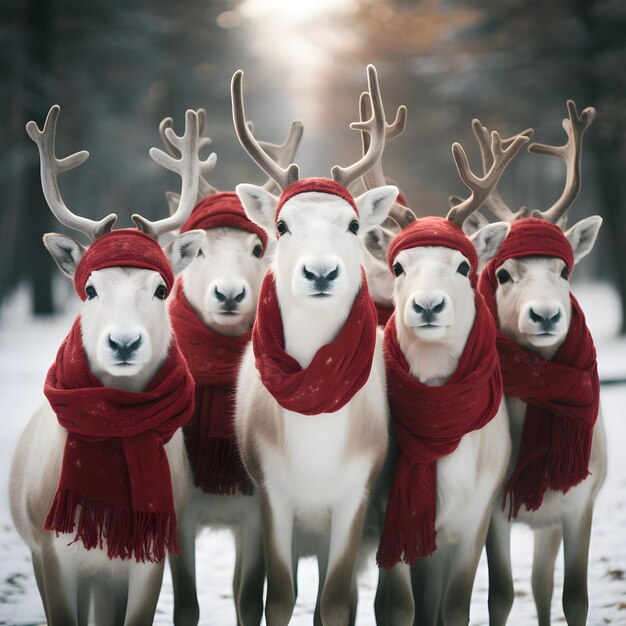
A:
(316, 185)
(434, 231)
(126, 247)
(222, 209)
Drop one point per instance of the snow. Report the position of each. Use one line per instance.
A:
(28, 346)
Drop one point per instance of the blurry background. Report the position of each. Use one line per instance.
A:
(117, 68)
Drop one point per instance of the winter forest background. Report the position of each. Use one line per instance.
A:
(118, 68)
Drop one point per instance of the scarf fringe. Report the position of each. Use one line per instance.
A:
(218, 469)
(404, 545)
(146, 537)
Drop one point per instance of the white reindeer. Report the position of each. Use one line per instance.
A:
(313, 472)
(122, 302)
(433, 339)
(531, 288)
(222, 286)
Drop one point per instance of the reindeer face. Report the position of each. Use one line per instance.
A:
(318, 249)
(223, 281)
(433, 294)
(124, 320)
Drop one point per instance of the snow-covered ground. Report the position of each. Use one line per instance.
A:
(28, 346)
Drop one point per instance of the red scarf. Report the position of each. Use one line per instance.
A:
(338, 370)
(429, 423)
(383, 313)
(114, 464)
(562, 394)
(214, 362)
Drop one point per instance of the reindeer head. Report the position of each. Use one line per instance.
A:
(435, 263)
(223, 281)
(316, 221)
(124, 276)
(531, 273)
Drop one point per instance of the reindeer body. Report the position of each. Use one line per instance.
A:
(125, 337)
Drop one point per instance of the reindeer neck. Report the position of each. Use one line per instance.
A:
(307, 329)
(236, 330)
(432, 363)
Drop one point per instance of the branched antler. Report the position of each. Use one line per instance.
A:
(575, 127)
(482, 187)
(494, 201)
(188, 166)
(283, 176)
(51, 167)
(282, 153)
(374, 127)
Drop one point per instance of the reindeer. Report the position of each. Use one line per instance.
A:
(534, 309)
(313, 471)
(435, 313)
(222, 286)
(122, 304)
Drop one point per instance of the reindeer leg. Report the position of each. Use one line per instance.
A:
(345, 534)
(547, 543)
(323, 551)
(394, 604)
(183, 568)
(110, 601)
(144, 586)
(277, 515)
(576, 537)
(251, 565)
(61, 587)
(39, 577)
(499, 562)
(83, 599)
(428, 579)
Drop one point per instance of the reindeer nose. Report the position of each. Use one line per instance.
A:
(321, 277)
(124, 345)
(428, 309)
(547, 318)
(231, 299)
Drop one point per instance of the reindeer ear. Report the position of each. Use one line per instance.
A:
(182, 250)
(582, 236)
(374, 205)
(66, 252)
(474, 223)
(488, 240)
(260, 206)
(173, 201)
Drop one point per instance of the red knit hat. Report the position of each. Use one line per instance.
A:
(434, 231)
(126, 247)
(317, 185)
(222, 209)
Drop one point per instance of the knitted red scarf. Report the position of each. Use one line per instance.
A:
(562, 394)
(383, 313)
(338, 370)
(214, 362)
(114, 464)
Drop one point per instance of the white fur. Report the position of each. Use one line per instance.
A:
(125, 305)
(313, 468)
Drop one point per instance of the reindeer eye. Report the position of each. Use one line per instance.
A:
(161, 292)
(565, 273)
(464, 268)
(503, 277)
(281, 227)
(397, 269)
(258, 251)
(354, 227)
(91, 292)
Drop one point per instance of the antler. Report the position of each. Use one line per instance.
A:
(51, 167)
(204, 187)
(282, 153)
(283, 176)
(575, 127)
(374, 127)
(399, 216)
(188, 166)
(481, 187)
(494, 201)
